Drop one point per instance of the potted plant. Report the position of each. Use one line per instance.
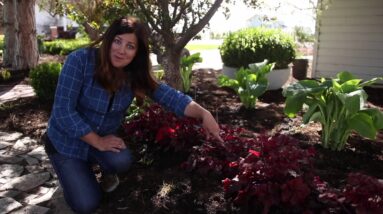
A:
(247, 46)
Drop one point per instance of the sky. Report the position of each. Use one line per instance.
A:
(290, 12)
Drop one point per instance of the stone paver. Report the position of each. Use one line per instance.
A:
(18, 91)
(8, 204)
(28, 183)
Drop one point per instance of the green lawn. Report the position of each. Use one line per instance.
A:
(200, 47)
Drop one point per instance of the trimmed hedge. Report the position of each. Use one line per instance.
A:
(64, 46)
(243, 47)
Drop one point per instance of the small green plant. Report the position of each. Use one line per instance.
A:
(1, 42)
(135, 110)
(187, 63)
(159, 74)
(249, 83)
(5, 74)
(44, 79)
(338, 104)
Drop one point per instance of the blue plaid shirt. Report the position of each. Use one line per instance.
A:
(81, 105)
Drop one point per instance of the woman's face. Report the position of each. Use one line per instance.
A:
(123, 49)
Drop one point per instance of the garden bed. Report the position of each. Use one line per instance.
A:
(158, 183)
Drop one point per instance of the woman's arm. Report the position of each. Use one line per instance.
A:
(194, 110)
(183, 105)
(70, 82)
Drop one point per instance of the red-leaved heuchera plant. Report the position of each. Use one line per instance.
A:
(364, 193)
(157, 126)
(268, 174)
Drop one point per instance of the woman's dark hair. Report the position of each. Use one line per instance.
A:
(137, 73)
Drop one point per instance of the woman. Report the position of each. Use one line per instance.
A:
(96, 86)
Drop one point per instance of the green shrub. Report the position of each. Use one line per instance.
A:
(64, 46)
(44, 79)
(247, 46)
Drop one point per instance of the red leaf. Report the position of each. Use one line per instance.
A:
(226, 183)
(233, 164)
(253, 152)
(163, 133)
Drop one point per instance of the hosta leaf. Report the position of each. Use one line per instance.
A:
(377, 117)
(224, 81)
(302, 87)
(371, 81)
(363, 124)
(335, 85)
(350, 85)
(293, 105)
(257, 89)
(308, 115)
(344, 76)
(352, 102)
(251, 78)
(317, 117)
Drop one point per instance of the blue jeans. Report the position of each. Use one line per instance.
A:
(81, 189)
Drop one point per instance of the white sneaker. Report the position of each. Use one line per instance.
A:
(109, 182)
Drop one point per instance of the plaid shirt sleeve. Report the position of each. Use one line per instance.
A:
(66, 98)
(171, 99)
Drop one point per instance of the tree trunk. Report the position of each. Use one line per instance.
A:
(9, 12)
(171, 64)
(93, 33)
(26, 48)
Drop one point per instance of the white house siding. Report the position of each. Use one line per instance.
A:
(350, 37)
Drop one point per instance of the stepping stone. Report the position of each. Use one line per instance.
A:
(26, 182)
(30, 209)
(9, 193)
(23, 145)
(10, 159)
(31, 160)
(11, 170)
(41, 195)
(39, 153)
(8, 204)
(10, 137)
(35, 168)
(4, 144)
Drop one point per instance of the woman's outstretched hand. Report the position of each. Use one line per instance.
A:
(211, 126)
(208, 122)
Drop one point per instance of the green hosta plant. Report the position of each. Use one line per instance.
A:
(187, 63)
(338, 104)
(249, 83)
